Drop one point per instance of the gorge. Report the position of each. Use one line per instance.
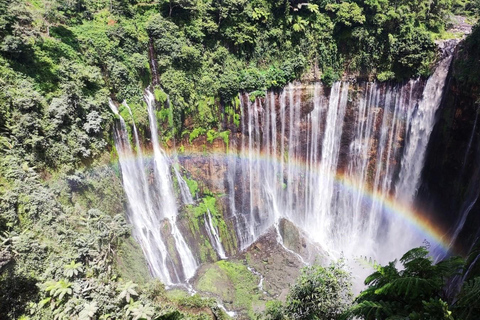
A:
(343, 164)
(217, 159)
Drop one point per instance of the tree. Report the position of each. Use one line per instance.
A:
(319, 293)
(416, 292)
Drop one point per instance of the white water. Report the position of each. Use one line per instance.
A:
(421, 127)
(182, 184)
(291, 163)
(328, 164)
(153, 207)
(166, 195)
(213, 235)
(141, 214)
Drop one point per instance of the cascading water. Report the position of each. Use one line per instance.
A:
(184, 190)
(420, 128)
(141, 214)
(330, 168)
(213, 235)
(167, 198)
(330, 162)
(152, 207)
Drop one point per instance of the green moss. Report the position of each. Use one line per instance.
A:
(257, 94)
(131, 263)
(215, 280)
(232, 281)
(177, 294)
(196, 217)
(192, 219)
(228, 238)
(207, 253)
(208, 203)
(225, 135)
(123, 111)
(213, 134)
(192, 186)
(195, 134)
(172, 250)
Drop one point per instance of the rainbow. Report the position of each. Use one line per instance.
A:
(417, 220)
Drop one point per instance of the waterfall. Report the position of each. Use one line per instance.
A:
(182, 184)
(146, 225)
(167, 198)
(330, 160)
(213, 235)
(421, 127)
(152, 207)
(330, 163)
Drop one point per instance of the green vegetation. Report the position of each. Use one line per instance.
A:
(421, 289)
(469, 62)
(192, 186)
(196, 215)
(69, 56)
(232, 281)
(66, 249)
(62, 257)
(318, 293)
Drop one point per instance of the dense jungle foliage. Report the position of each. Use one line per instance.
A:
(417, 289)
(66, 251)
(69, 55)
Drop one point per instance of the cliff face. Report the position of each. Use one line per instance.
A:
(341, 164)
(449, 185)
(330, 160)
(451, 177)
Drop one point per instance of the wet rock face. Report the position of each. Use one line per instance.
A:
(266, 269)
(324, 160)
(450, 181)
(291, 236)
(313, 162)
(209, 168)
(285, 155)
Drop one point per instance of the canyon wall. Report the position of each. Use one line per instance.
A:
(451, 178)
(361, 169)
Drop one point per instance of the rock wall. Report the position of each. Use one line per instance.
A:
(451, 177)
(327, 159)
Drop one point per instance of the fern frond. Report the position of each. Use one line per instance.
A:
(372, 310)
(415, 253)
(411, 287)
